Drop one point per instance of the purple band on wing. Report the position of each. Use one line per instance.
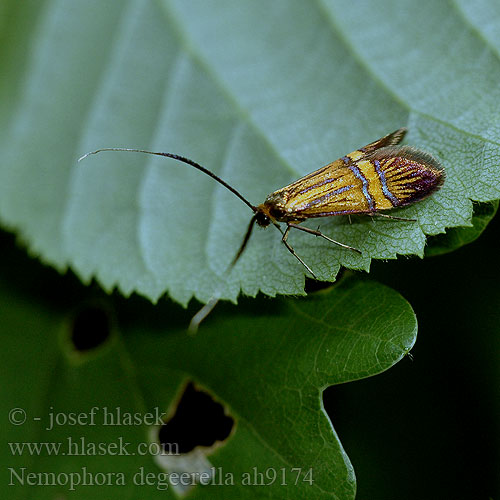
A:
(314, 186)
(357, 172)
(319, 200)
(383, 181)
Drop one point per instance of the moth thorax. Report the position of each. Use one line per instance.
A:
(275, 205)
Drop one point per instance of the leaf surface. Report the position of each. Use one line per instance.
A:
(259, 93)
(269, 376)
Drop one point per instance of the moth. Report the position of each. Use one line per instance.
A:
(371, 180)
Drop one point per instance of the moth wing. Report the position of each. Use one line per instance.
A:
(406, 174)
(331, 190)
(309, 181)
(389, 140)
(341, 164)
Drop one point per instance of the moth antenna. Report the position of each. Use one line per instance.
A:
(209, 306)
(183, 159)
(194, 324)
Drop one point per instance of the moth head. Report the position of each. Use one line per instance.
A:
(262, 216)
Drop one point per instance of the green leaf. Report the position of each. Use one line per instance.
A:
(258, 92)
(459, 236)
(269, 376)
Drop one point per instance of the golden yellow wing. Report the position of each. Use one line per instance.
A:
(368, 180)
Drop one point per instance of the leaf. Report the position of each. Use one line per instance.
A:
(269, 376)
(259, 93)
(457, 237)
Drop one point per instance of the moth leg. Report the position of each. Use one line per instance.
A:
(387, 216)
(292, 251)
(319, 233)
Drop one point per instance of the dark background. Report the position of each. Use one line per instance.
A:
(427, 428)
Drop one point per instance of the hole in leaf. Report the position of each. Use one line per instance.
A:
(198, 421)
(91, 328)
